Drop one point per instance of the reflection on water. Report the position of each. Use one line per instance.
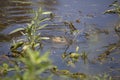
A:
(95, 29)
(48, 4)
(11, 13)
(14, 12)
(17, 12)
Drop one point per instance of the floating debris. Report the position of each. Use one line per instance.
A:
(74, 55)
(115, 10)
(117, 29)
(71, 27)
(67, 73)
(78, 21)
(60, 39)
(107, 52)
(78, 75)
(84, 56)
(90, 15)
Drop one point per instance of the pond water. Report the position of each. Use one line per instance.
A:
(96, 31)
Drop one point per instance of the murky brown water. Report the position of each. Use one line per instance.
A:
(86, 15)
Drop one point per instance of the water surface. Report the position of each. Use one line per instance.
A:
(86, 15)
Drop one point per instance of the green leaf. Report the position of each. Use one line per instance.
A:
(5, 65)
(77, 49)
(43, 58)
(45, 38)
(43, 26)
(45, 19)
(47, 12)
(16, 30)
(40, 10)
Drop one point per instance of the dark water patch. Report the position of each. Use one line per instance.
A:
(14, 12)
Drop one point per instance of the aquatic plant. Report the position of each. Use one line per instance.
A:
(31, 33)
(117, 29)
(27, 52)
(115, 9)
(73, 57)
(68, 74)
(33, 65)
(100, 77)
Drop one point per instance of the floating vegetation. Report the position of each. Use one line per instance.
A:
(79, 75)
(78, 21)
(115, 10)
(112, 47)
(73, 57)
(60, 39)
(100, 77)
(117, 30)
(69, 74)
(84, 56)
(72, 28)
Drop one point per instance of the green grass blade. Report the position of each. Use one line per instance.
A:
(16, 30)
